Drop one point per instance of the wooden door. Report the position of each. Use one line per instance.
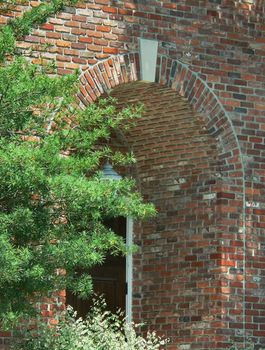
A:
(109, 279)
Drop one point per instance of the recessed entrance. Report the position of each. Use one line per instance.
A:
(109, 279)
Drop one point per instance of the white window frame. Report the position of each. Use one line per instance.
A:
(129, 269)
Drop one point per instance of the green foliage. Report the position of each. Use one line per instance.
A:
(53, 198)
(25, 87)
(100, 331)
(7, 42)
(22, 26)
(38, 15)
(53, 206)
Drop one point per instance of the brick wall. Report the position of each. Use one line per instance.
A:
(176, 273)
(211, 52)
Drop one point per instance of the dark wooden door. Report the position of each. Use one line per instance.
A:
(109, 279)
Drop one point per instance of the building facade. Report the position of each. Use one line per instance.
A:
(199, 274)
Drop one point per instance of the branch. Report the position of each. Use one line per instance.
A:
(49, 126)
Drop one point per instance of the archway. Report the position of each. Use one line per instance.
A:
(189, 164)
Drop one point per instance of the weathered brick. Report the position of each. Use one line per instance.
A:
(199, 238)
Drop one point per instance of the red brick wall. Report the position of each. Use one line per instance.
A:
(212, 53)
(220, 289)
(176, 272)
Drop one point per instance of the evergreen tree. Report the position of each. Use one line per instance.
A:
(53, 198)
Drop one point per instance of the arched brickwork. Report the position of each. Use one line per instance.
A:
(105, 75)
(218, 260)
(224, 43)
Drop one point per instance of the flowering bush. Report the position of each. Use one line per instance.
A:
(101, 330)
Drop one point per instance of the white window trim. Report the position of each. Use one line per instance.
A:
(129, 269)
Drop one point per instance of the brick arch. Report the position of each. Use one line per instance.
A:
(227, 259)
(121, 69)
(191, 86)
(107, 74)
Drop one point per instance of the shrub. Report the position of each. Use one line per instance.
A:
(101, 330)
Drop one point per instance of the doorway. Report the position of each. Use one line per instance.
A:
(112, 279)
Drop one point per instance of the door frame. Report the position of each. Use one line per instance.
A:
(129, 270)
